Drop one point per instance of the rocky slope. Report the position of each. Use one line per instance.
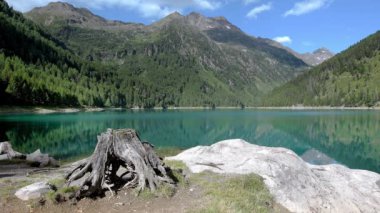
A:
(297, 185)
(314, 58)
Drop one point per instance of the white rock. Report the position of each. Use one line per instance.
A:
(33, 191)
(295, 184)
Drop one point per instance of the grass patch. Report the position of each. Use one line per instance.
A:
(164, 190)
(178, 168)
(243, 193)
(58, 182)
(175, 164)
(8, 187)
(167, 151)
(62, 194)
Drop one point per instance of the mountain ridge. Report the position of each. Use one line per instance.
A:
(348, 79)
(216, 45)
(83, 19)
(313, 58)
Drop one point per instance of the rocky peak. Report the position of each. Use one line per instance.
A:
(323, 50)
(207, 23)
(174, 15)
(59, 6)
(314, 58)
(58, 12)
(318, 56)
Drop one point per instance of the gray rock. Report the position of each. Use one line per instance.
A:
(316, 157)
(33, 191)
(295, 184)
(41, 160)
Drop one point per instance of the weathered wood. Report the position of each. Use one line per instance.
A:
(36, 158)
(7, 152)
(115, 149)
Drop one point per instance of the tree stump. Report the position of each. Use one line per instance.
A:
(116, 149)
(7, 152)
(35, 159)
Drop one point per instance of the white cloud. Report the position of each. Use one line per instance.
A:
(25, 5)
(306, 6)
(208, 5)
(283, 39)
(259, 9)
(146, 8)
(246, 2)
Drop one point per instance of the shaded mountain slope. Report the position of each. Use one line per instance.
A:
(351, 78)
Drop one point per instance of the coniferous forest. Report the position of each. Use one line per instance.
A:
(351, 78)
(170, 63)
(37, 69)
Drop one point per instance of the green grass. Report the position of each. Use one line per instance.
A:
(178, 167)
(175, 164)
(8, 187)
(164, 190)
(58, 182)
(227, 193)
(240, 193)
(62, 194)
(167, 151)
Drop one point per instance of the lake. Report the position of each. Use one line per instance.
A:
(349, 137)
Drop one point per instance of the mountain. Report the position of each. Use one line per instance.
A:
(211, 57)
(37, 69)
(65, 13)
(351, 78)
(70, 57)
(312, 59)
(317, 57)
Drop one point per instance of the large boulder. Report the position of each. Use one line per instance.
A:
(297, 185)
(33, 191)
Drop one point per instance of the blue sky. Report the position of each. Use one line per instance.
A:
(303, 25)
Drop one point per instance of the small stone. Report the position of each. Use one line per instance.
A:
(33, 191)
(119, 204)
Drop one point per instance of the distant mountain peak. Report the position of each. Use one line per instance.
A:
(318, 56)
(220, 18)
(195, 14)
(314, 58)
(323, 50)
(58, 12)
(175, 14)
(61, 5)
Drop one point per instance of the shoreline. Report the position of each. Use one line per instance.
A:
(50, 110)
(283, 194)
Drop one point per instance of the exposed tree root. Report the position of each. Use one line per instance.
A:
(116, 149)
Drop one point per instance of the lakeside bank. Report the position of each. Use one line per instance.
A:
(49, 110)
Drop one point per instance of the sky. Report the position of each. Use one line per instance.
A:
(303, 25)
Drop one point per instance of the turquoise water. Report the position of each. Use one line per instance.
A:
(347, 137)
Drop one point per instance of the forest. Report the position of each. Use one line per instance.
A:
(38, 69)
(351, 78)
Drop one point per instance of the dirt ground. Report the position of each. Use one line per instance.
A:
(185, 200)
(16, 176)
(189, 198)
